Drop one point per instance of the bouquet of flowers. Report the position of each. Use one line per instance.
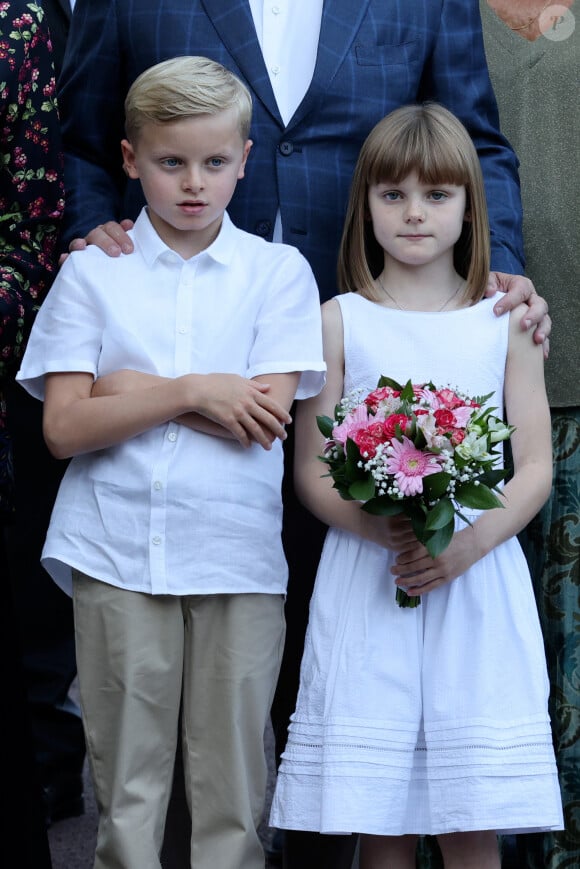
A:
(418, 450)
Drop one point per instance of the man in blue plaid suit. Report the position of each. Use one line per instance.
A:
(370, 57)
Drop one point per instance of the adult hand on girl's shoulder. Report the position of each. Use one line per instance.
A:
(418, 573)
(517, 289)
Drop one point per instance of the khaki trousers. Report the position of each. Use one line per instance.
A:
(139, 658)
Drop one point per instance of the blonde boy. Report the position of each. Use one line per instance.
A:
(168, 519)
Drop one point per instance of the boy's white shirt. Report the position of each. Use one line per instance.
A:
(174, 511)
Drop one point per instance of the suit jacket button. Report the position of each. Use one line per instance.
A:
(286, 148)
(263, 228)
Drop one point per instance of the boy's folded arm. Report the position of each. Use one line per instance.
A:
(123, 381)
(226, 405)
(75, 421)
(127, 380)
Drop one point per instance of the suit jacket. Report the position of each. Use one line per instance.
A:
(58, 15)
(373, 56)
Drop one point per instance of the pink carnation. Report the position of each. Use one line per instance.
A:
(353, 422)
(382, 393)
(444, 418)
(462, 415)
(367, 442)
(448, 398)
(391, 422)
(457, 436)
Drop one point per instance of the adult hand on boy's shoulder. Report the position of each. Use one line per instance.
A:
(517, 289)
(110, 237)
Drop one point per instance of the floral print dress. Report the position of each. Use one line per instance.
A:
(31, 193)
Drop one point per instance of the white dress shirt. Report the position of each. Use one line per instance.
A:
(288, 33)
(175, 511)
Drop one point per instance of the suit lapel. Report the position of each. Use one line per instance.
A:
(340, 23)
(235, 26)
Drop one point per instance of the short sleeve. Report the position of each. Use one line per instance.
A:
(67, 333)
(288, 333)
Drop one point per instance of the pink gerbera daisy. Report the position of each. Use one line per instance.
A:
(410, 465)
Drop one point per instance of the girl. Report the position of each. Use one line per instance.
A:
(430, 720)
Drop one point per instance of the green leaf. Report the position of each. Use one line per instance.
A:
(388, 381)
(493, 476)
(476, 497)
(482, 399)
(435, 485)
(325, 425)
(362, 490)
(440, 540)
(407, 394)
(383, 506)
(440, 516)
(417, 436)
(353, 457)
(417, 518)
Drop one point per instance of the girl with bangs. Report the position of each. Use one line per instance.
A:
(430, 720)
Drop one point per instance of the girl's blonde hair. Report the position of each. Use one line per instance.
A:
(185, 87)
(429, 140)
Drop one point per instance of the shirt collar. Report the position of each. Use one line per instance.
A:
(152, 247)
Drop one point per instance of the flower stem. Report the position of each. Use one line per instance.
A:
(405, 600)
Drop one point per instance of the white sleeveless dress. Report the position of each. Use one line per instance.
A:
(429, 720)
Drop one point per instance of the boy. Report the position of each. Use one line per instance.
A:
(168, 519)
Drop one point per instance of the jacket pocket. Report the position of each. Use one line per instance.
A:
(386, 55)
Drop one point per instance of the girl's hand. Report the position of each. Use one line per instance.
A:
(417, 573)
(391, 532)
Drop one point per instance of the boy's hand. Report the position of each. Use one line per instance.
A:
(519, 289)
(242, 406)
(111, 237)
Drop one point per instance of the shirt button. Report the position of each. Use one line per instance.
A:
(275, 10)
(156, 541)
(172, 437)
(157, 485)
(286, 148)
(275, 70)
(182, 330)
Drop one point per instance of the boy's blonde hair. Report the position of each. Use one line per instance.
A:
(185, 87)
(429, 140)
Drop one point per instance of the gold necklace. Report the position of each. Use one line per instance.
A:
(400, 307)
(531, 20)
